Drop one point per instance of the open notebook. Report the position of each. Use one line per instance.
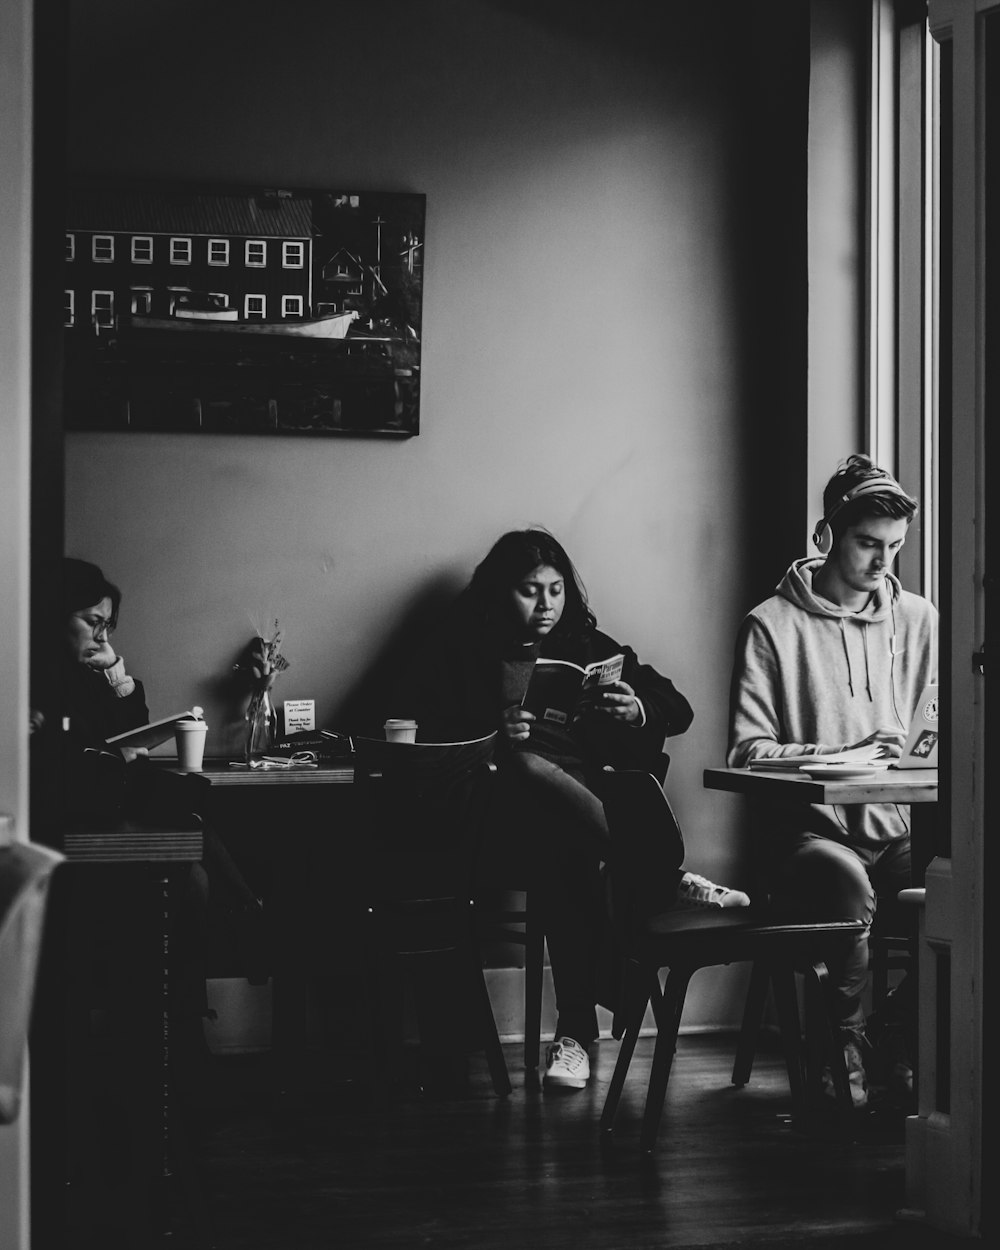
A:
(154, 733)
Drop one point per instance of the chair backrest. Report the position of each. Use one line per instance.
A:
(422, 808)
(25, 871)
(647, 847)
(417, 763)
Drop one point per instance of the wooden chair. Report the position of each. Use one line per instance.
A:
(421, 813)
(647, 849)
(889, 951)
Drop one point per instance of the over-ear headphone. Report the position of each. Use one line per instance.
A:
(882, 485)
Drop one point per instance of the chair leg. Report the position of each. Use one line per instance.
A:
(823, 1035)
(753, 1015)
(488, 1027)
(786, 1004)
(384, 990)
(635, 995)
(668, 1023)
(534, 961)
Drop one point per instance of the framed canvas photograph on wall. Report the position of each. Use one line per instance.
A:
(243, 310)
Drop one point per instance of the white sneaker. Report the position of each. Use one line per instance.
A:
(695, 891)
(567, 1064)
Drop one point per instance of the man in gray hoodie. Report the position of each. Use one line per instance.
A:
(835, 659)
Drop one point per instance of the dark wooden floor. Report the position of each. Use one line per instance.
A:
(329, 1170)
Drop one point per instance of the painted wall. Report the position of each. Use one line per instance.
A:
(590, 302)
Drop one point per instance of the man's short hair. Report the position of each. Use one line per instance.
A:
(840, 510)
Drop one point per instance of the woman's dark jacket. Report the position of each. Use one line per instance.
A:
(96, 779)
(453, 691)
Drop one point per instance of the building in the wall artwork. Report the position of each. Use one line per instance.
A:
(243, 311)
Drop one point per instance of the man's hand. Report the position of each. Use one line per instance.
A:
(617, 700)
(516, 723)
(889, 739)
(132, 754)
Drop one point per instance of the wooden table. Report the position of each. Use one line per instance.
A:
(916, 786)
(887, 785)
(296, 826)
(221, 774)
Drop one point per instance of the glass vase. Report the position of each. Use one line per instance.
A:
(262, 724)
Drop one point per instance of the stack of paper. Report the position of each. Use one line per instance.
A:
(870, 756)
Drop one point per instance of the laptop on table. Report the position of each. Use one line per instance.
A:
(920, 750)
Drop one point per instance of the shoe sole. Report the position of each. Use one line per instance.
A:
(566, 1082)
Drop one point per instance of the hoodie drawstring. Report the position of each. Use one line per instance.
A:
(847, 657)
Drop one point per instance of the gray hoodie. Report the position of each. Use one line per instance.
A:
(811, 678)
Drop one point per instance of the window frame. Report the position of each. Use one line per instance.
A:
(223, 244)
(97, 240)
(286, 247)
(177, 243)
(902, 262)
(94, 317)
(255, 264)
(136, 240)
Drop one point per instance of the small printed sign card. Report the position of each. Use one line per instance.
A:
(300, 716)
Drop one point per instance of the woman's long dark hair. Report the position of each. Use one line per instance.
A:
(511, 558)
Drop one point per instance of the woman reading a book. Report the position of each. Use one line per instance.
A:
(525, 604)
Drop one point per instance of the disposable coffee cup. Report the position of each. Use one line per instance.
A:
(190, 738)
(400, 730)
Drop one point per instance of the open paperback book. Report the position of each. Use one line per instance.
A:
(870, 756)
(557, 689)
(154, 733)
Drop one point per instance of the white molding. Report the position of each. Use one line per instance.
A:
(880, 240)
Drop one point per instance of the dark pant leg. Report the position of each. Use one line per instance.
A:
(815, 878)
(557, 827)
(890, 873)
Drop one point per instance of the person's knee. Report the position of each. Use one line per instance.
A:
(830, 879)
(527, 766)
